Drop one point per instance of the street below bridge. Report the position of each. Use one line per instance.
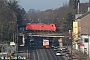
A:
(44, 54)
(39, 52)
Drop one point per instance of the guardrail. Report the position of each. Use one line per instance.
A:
(21, 58)
(3, 53)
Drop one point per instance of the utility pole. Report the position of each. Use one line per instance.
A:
(89, 3)
(17, 41)
(88, 47)
(70, 37)
(78, 6)
(71, 49)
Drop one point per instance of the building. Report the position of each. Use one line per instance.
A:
(81, 30)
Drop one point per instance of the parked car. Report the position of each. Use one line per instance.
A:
(68, 55)
(55, 48)
(54, 45)
(58, 53)
(63, 48)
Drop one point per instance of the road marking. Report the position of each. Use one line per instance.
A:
(45, 54)
(49, 54)
(34, 54)
(38, 55)
(54, 55)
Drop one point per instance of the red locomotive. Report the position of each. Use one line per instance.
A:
(41, 27)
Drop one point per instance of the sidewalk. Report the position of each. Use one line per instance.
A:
(77, 55)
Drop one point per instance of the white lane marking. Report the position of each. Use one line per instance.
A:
(34, 54)
(45, 54)
(38, 55)
(54, 55)
(49, 54)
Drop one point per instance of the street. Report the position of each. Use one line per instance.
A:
(39, 52)
(44, 54)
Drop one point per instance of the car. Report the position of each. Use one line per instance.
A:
(58, 53)
(62, 48)
(47, 46)
(52, 46)
(55, 48)
(69, 57)
(67, 54)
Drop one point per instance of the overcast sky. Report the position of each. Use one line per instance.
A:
(43, 4)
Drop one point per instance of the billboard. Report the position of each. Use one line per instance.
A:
(75, 31)
(45, 42)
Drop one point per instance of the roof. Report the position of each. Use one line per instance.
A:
(84, 15)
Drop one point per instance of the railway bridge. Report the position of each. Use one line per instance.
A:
(53, 35)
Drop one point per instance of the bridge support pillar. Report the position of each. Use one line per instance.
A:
(60, 42)
(23, 39)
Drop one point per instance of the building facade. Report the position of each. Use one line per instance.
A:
(81, 30)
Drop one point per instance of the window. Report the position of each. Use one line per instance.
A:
(85, 39)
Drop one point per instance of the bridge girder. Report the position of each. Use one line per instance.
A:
(43, 35)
